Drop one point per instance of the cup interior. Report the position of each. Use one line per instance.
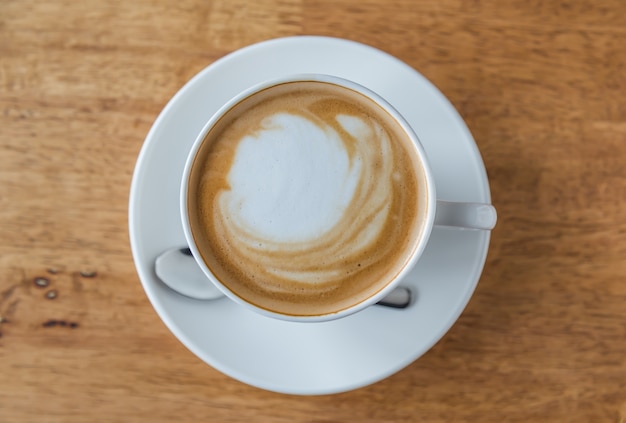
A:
(193, 176)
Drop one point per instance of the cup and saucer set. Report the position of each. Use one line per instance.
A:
(338, 355)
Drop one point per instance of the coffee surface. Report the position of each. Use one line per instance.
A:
(306, 198)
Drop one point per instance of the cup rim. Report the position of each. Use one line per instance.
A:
(418, 247)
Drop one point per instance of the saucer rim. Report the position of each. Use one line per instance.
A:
(144, 274)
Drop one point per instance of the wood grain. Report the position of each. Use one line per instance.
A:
(541, 85)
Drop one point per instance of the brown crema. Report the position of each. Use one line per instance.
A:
(361, 252)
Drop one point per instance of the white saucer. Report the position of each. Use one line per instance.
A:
(316, 358)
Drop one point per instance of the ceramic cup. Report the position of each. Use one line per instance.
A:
(280, 205)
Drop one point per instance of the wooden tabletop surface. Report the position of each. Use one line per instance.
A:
(542, 87)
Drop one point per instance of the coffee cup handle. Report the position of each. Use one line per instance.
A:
(465, 215)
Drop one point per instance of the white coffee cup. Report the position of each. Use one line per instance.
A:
(433, 212)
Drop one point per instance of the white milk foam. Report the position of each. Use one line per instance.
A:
(303, 180)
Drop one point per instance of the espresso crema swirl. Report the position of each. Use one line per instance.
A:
(307, 199)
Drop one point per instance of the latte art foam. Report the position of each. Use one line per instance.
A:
(308, 197)
(306, 200)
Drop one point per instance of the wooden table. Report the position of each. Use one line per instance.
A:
(542, 86)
